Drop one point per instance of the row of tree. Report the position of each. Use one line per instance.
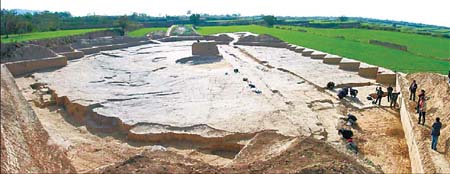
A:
(13, 22)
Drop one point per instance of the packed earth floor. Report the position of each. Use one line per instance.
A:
(155, 89)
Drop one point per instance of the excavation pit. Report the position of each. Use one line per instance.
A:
(159, 94)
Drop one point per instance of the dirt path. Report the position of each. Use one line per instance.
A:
(440, 163)
(170, 30)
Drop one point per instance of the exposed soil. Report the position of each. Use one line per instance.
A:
(438, 90)
(291, 127)
(301, 155)
(381, 139)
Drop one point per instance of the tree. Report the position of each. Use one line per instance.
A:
(195, 19)
(342, 18)
(123, 24)
(269, 20)
(9, 22)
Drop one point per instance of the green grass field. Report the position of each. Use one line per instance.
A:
(143, 31)
(427, 53)
(417, 44)
(45, 35)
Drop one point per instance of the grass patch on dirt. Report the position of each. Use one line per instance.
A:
(143, 31)
(46, 35)
(327, 41)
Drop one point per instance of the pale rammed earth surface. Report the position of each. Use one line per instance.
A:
(145, 84)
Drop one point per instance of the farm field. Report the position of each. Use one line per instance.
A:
(46, 35)
(426, 46)
(143, 31)
(428, 53)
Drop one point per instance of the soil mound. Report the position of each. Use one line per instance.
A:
(267, 152)
(62, 48)
(20, 52)
(25, 144)
(159, 162)
(259, 38)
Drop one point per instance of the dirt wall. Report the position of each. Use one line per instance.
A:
(368, 72)
(349, 66)
(307, 52)
(318, 56)
(389, 45)
(205, 49)
(73, 55)
(25, 145)
(263, 44)
(180, 38)
(90, 50)
(220, 39)
(387, 79)
(260, 38)
(299, 49)
(23, 67)
(61, 48)
(414, 154)
(332, 60)
(19, 52)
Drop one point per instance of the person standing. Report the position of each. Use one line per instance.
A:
(379, 96)
(389, 93)
(412, 90)
(421, 97)
(422, 110)
(435, 132)
(394, 99)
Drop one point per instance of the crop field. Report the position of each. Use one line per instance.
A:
(46, 35)
(143, 31)
(417, 44)
(426, 54)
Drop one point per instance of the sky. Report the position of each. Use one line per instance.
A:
(434, 12)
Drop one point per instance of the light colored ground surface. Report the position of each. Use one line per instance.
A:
(132, 85)
(137, 89)
(311, 69)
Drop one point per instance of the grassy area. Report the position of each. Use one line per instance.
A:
(45, 35)
(421, 45)
(143, 31)
(356, 48)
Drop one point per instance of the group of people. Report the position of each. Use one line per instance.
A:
(421, 106)
(347, 134)
(421, 109)
(391, 96)
(345, 91)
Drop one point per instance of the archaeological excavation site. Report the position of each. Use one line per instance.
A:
(224, 103)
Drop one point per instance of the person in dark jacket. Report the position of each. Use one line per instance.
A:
(389, 93)
(421, 97)
(379, 95)
(412, 90)
(394, 99)
(342, 93)
(353, 92)
(346, 134)
(435, 132)
(422, 110)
